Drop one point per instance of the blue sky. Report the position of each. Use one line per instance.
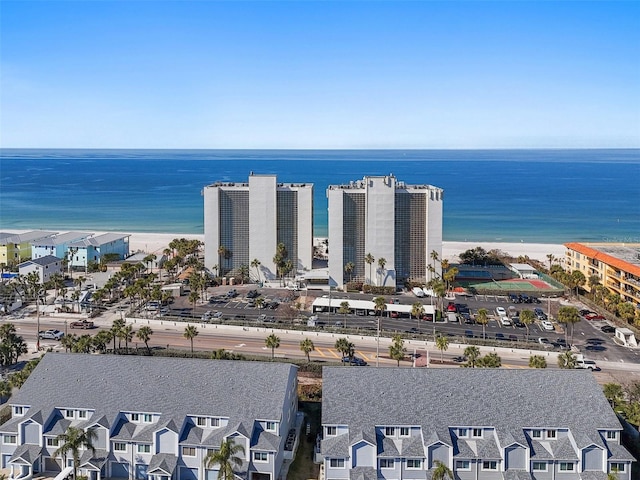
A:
(330, 74)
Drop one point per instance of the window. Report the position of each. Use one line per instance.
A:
(463, 432)
(52, 442)
(212, 451)
(332, 431)
(567, 466)
(477, 433)
(271, 426)
(215, 422)
(617, 467)
(551, 434)
(612, 435)
(386, 463)
(9, 439)
(147, 418)
(135, 417)
(536, 434)
(82, 414)
(463, 465)
(389, 431)
(201, 421)
(414, 463)
(336, 463)
(188, 451)
(260, 456)
(18, 411)
(144, 448)
(489, 465)
(404, 431)
(68, 413)
(119, 447)
(539, 466)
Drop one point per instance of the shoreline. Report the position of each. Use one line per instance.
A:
(156, 242)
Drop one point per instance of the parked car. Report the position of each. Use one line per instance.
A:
(545, 342)
(357, 361)
(540, 315)
(84, 324)
(501, 312)
(500, 336)
(51, 334)
(608, 329)
(451, 307)
(505, 321)
(468, 333)
(547, 325)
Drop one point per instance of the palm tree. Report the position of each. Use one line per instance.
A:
(417, 310)
(148, 260)
(194, 296)
(472, 353)
(144, 333)
(346, 348)
(482, 318)
(369, 259)
(349, 268)
(72, 441)
(537, 361)
(442, 343)
(344, 309)
(307, 347)
(272, 342)
(567, 360)
(568, 316)
(382, 262)
(380, 305)
(527, 317)
(551, 259)
(227, 457)
(396, 349)
(127, 336)
(118, 324)
(255, 263)
(190, 333)
(441, 471)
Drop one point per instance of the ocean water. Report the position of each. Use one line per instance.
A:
(545, 196)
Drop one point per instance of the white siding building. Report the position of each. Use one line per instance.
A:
(384, 217)
(246, 221)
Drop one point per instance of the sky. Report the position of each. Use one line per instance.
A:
(319, 75)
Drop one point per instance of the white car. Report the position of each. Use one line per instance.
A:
(501, 312)
(547, 325)
(505, 321)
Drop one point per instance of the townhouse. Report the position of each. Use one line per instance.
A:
(482, 424)
(44, 267)
(154, 418)
(16, 247)
(92, 249)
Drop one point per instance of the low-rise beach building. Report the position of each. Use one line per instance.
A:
(92, 249)
(482, 424)
(247, 221)
(382, 218)
(15, 247)
(44, 267)
(617, 266)
(56, 245)
(153, 418)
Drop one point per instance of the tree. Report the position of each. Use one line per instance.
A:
(346, 348)
(567, 360)
(614, 393)
(255, 263)
(227, 458)
(441, 472)
(472, 353)
(11, 345)
(442, 344)
(396, 349)
(482, 318)
(568, 316)
(190, 332)
(380, 305)
(127, 336)
(551, 259)
(280, 260)
(369, 259)
(344, 310)
(307, 347)
(417, 310)
(577, 280)
(537, 361)
(71, 442)
(435, 257)
(144, 333)
(349, 268)
(527, 318)
(194, 296)
(272, 342)
(626, 311)
(490, 360)
(382, 262)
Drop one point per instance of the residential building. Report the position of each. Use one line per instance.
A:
(390, 220)
(483, 424)
(155, 418)
(45, 267)
(92, 249)
(617, 266)
(16, 247)
(246, 221)
(56, 245)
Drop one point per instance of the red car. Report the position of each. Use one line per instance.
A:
(451, 307)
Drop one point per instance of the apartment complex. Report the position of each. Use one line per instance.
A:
(384, 218)
(16, 247)
(482, 424)
(247, 221)
(617, 265)
(154, 418)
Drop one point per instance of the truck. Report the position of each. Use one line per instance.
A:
(84, 324)
(418, 292)
(584, 363)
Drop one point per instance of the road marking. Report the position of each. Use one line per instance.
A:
(320, 352)
(241, 345)
(334, 354)
(363, 356)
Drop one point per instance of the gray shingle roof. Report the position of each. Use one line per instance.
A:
(26, 454)
(335, 446)
(95, 460)
(43, 261)
(99, 240)
(60, 239)
(450, 397)
(265, 441)
(463, 450)
(26, 236)
(517, 475)
(488, 449)
(592, 475)
(163, 462)
(363, 473)
(387, 448)
(618, 452)
(412, 447)
(563, 450)
(539, 452)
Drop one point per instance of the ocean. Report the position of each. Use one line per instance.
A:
(532, 196)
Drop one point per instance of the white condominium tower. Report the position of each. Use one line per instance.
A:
(380, 217)
(244, 222)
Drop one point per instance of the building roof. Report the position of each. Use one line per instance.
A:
(509, 400)
(241, 391)
(25, 236)
(42, 261)
(99, 240)
(60, 239)
(334, 302)
(626, 257)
